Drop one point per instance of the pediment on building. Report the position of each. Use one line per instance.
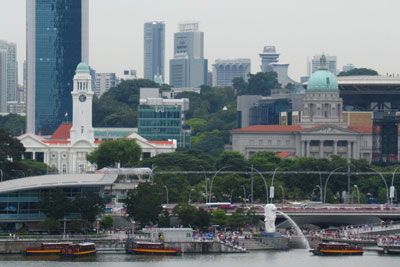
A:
(83, 143)
(32, 141)
(329, 129)
(144, 144)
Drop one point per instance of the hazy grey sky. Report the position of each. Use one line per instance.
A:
(363, 32)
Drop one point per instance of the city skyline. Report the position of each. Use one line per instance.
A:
(304, 29)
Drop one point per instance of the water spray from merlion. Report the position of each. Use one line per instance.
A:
(270, 212)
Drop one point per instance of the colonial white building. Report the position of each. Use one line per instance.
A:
(67, 148)
(321, 132)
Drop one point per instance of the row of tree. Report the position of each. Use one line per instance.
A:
(83, 209)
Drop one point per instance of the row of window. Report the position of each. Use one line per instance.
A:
(270, 142)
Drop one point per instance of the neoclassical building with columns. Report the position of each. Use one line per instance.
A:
(321, 132)
(67, 148)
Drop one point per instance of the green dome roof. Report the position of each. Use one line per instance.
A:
(322, 80)
(82, 67)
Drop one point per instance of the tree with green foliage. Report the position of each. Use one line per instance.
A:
(144, 203)
(251, 216)
(203, 219)
(13, 123)
(359, 71)
(236, 220)
(186, 213)
(219, 217)
(50, 224)
(10, 147)
(239, 84)
(261, 83)
(80, 225)
(235, 160)
(209, 142)
(124, 151)
(55, 204)
(107, 222)
(89, 205)
(164, 219)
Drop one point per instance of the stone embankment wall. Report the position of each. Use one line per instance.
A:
(204, 247)
(275, 243)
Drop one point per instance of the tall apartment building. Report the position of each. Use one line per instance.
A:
(104, 81)
(11, 70)
(154, 50)
(331, 62)
(224, 71)
(161, 119)
(57, 41)
(188, 68)
(3, 81)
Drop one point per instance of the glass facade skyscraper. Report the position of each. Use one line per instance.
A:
(154, 50)
(57, 41)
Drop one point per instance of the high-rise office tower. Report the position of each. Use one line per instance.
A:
(154, 50)
(57, 40)
(11, 70)
(3, 81)
(330, 62)
(188, 68)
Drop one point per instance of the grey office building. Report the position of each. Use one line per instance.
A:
(56, 42)
(224, 71)
(11, 70)
(154, 50)
(188, 68)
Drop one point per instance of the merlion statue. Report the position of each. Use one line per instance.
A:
(270, 216)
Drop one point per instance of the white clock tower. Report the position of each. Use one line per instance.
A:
(82, 98)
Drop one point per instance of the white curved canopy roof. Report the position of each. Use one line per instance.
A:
(58, 180)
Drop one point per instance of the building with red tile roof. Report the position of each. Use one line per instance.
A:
(321, 132)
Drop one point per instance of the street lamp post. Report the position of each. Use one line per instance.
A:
(327, 180)
(212, 181)
(320, 192)
(244, 192)
(190, 194)
(392, 189)
(1, 172)
(252, 185)
(358, 193)
(320, 183)
(272, 189)
(265, 182)
(205, 181)
(384, 181)
(166, 189)
(283, 194)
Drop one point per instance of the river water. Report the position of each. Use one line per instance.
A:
(295, 258)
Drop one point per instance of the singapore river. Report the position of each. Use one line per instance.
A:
(296, 258)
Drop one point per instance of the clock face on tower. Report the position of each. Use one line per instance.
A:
(82, 98)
